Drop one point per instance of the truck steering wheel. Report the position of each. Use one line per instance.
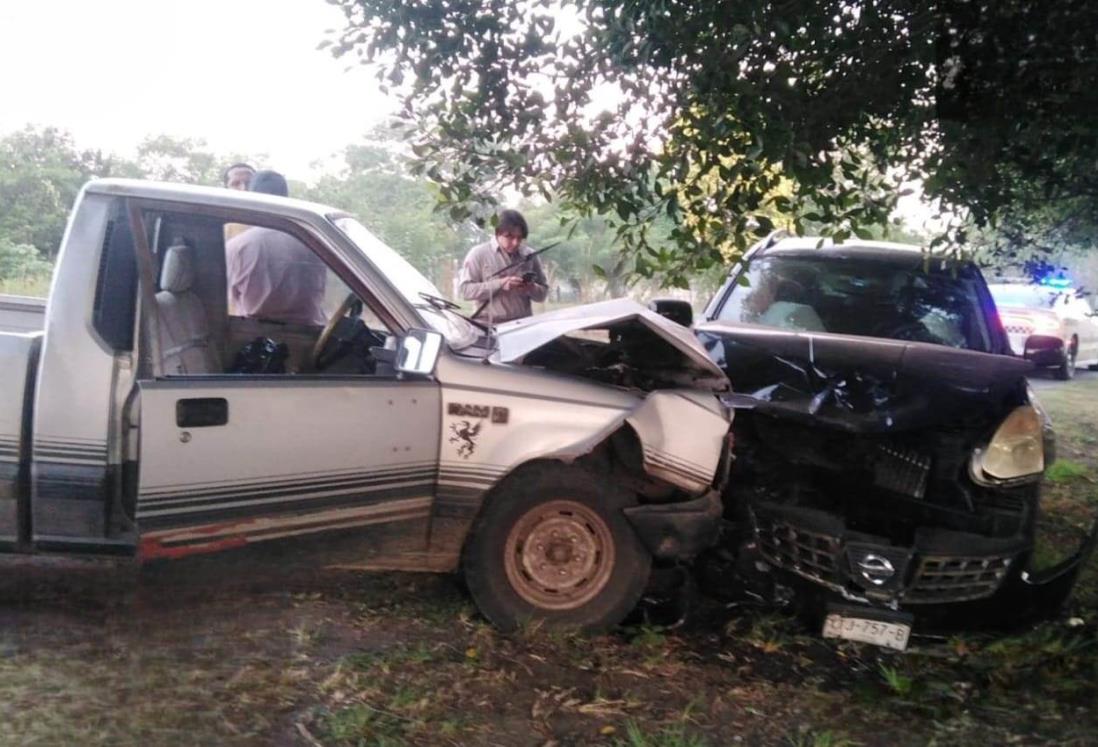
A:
(345, 309)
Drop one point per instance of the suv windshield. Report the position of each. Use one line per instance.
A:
(867, 297)
(410, 283)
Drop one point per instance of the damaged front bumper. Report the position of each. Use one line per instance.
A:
(942, 575)
(678, 531)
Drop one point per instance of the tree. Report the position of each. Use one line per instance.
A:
(22, 264)
(187, 160)
(41, 172)
(374, 185)
(630, 109)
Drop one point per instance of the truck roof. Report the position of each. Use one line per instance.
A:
(215, 196)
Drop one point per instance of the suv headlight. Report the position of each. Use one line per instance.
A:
(1016, 451)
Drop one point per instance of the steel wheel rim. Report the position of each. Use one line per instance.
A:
(559, 555)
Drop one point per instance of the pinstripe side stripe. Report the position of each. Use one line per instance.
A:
(215, 505)
(461, 488)
(661, 461)
(69, 451)
(263, 528)
(287, 487)
(192, 485)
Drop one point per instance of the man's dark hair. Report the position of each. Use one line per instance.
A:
(269, 183)
(511, 221)
(231, 167)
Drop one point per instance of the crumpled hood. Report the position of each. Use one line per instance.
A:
(862, 384)
(521, 337)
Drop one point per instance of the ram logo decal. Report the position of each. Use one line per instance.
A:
(468, 411)
(464, 435)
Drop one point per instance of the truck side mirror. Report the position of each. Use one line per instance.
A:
(418, 352)
(680, 312)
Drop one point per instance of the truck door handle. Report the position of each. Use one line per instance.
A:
(202, 412)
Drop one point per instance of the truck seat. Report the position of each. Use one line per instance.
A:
(184, 330)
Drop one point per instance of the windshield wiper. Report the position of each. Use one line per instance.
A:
(438, 303)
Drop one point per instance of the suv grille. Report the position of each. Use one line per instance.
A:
(944, 579)
(810, 554)
(936, 579)
(901, 471)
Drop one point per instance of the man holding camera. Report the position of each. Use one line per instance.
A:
(503, 275)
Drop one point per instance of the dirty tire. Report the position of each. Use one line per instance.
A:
(553, 546)
(1066, 371)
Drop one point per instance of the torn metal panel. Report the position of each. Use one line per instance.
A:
(859, 384)
(618, 342)
(682, 444)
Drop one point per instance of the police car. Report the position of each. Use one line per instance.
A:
(1050, 323)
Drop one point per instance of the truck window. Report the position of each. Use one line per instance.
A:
(235, 298)
(116, 284)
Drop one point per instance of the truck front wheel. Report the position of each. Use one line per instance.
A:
(554, 546)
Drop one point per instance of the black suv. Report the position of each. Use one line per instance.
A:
(889, 450)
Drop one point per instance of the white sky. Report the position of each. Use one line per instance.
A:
(243, 75)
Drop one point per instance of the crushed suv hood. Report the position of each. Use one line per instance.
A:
(861, 384)
(612, 334)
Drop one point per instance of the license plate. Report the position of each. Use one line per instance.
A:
(877, 632)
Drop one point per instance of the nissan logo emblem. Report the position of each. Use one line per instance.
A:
(876, 569)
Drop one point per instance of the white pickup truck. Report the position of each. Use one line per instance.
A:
(552, 459)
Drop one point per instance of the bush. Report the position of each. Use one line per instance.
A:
(22, 263)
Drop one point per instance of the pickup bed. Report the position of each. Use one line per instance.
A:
(22, 314)
(554, 460)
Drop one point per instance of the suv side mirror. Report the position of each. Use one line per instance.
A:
(418, 352)
(680, 312)
(1044, 350)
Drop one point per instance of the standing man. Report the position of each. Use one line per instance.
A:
(505, 294)
(271, 274)
(237, 176)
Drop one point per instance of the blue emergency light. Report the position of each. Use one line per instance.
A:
(1059, 281)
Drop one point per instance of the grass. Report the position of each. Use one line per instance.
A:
(638, 735)
(813, 738)
(898, 682)
(1066, 471)
(38, 287)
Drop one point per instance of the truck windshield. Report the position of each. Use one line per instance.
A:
(867, 297)
(410, 283)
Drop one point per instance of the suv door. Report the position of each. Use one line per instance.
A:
(228, 458)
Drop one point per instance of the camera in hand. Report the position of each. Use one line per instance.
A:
(529, 277)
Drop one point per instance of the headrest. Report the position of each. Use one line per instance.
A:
(177, 272)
